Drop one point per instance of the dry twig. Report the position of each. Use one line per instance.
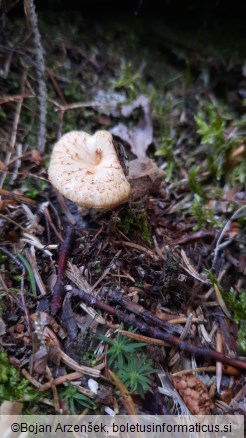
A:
(56, 300)
(40, 68)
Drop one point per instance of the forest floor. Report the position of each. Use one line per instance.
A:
(153, 292)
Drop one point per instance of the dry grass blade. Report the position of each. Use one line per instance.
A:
(138, 248)
(241, 212)
(190, 268)
(219, 348)
(75, 276)
(168, 389)
(221, 301)
(195, 370)
(8, 219)
(127, 399)
(31, 257)
(34, 241)
(107, 270)
(94, 372)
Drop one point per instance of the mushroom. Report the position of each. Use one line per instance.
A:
(86, 170)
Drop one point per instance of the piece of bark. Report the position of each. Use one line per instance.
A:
(145, 177)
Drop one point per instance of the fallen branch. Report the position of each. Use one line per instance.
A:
(40, 69)
(56, 300)
(157, 333)
(139, 310)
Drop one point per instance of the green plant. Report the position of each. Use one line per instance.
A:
(237, 304)
(3, 258)
(12, 385)
(34, 188)
(2, 115)
(238, 174)
(120, 348)
(212, 126)
(135, 374)
(130, 80)
(74, 399)
(30, 274)
(195, 185)
(203, 214)
(166, 151)
(164, 115)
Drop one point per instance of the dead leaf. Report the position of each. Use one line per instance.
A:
(141, 135)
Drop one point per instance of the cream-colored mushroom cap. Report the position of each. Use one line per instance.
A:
(85, 169)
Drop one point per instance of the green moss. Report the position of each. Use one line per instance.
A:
(130, 80)
(165, 114)
(135, 222)
(12, 385)
(194, 183)
(238, 174)
(3, 258)
(73, 91)
(203, 214)
(214, 128)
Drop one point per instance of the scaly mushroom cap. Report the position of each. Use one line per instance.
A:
(85, 169)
